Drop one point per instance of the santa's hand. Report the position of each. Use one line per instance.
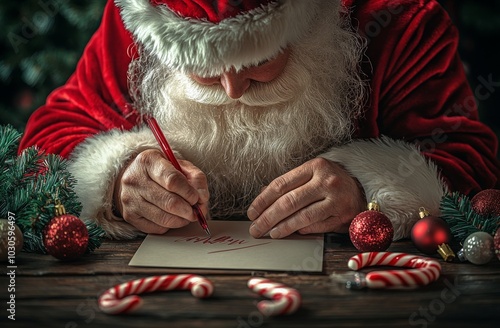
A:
(153, 196)
(318, 196)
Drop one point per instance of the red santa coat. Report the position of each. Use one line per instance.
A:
(419, 97)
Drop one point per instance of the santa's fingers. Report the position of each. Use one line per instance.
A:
(278, 188)
(123, 298)
(280, 210)
(152, 219)
(313, 218)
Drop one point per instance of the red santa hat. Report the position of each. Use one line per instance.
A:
(207, 37)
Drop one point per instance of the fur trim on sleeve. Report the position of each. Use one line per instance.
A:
(396, 175)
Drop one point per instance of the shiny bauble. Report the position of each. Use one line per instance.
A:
(496, 243)
(371, 231)
(66, 237)
(429, 233)
(487, 202)
(478, 248)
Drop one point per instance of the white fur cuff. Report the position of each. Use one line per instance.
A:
(394, 174)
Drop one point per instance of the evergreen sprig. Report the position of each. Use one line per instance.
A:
(457, 211)
(32, 182)
(8, 144)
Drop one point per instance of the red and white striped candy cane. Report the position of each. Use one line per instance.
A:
(123, 298)
(286, 300)
(424, 270)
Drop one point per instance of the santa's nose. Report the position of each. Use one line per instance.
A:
(235, 84)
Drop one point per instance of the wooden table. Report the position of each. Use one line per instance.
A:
(51, 293)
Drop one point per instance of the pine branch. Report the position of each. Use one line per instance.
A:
(456, 210)
(25, 167)
(96, 234)
(8, 144)
(57, 171)
(33, 243)
(16, 171)
(31, 184)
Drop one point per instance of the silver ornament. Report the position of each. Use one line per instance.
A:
(478, 248)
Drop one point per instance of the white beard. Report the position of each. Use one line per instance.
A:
(242, 145)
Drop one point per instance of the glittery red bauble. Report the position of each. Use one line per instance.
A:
(496, 243)
(430, 232)
(66, 237)
(487, 202)
(371, 231)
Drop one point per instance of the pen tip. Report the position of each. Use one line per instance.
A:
(207, 231)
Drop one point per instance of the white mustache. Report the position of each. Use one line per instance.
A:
(278, 91)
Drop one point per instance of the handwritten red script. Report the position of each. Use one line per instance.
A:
(212, 240)
(222, 240)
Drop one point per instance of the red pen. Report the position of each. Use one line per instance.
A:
(160, 137)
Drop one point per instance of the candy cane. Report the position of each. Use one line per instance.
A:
(122, 298)
(424, 270)
(286, 300)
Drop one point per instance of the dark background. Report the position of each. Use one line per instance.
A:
(42, 41)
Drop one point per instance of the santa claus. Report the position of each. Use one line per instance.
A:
(280, 111)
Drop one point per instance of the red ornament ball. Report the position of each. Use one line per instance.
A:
(496, 243)
(66, 237)
(487, 202)
(371, 231)
(428, 233)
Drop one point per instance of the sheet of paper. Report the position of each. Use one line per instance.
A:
(230, 247)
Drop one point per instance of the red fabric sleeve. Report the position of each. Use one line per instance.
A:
(95, 97)
(420, 92)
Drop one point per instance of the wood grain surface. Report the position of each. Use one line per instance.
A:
(51, 293)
